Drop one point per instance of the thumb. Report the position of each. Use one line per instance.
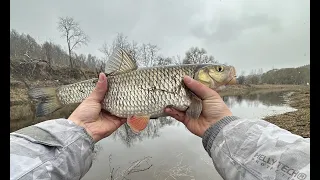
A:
(100, 90)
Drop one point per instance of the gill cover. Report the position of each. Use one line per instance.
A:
(214, 76)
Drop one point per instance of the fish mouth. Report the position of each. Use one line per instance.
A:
(232, 81)
(232, 76)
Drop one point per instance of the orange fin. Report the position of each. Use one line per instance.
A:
(138, 123)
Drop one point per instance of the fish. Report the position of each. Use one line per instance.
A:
(139, 94)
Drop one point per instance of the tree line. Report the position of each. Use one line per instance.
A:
(23, 47)
(299, 75)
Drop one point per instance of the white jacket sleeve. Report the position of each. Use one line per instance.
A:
(256, 149)
(53, 149)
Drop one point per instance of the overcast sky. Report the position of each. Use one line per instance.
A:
(248, 34)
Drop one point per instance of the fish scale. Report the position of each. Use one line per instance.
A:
(139, 93)
(147, 95)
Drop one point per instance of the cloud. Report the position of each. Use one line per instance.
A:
(248, 34)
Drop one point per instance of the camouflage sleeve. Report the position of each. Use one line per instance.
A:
(54, 149)
(257, 149)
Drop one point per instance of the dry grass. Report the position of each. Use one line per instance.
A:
(21, 111)
(18, 95)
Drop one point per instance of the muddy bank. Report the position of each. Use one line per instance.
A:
(297, 122)
(236, 90)
(24, 76)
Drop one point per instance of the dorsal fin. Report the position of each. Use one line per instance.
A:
(120, 62)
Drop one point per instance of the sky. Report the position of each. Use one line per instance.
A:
(248, 34)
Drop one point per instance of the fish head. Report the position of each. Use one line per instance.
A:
(216, 75)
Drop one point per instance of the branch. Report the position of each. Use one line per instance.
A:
(79, 41)
(133, 168)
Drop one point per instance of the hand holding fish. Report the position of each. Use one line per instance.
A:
(213, 110)
(97, 122)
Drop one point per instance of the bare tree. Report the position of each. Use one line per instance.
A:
(241, 79)
(106, 50)
(260, 71)
(196, 55)
(73, 33)
(253, 77)
(134, 50)
(120, 41)
(47, 47)
(176, 60)
(149, 54)
(161, 61)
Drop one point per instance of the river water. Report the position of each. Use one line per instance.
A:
(167, 150)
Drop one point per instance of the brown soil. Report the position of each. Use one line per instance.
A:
(25, 76)
(297, 122)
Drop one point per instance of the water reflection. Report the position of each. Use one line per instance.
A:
(164, 138)
(273, 100)
(126, 136)
(253, 100)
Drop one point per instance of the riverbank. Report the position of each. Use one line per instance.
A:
(297, 122)
(236, 90)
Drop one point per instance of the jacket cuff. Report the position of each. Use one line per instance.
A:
(211, 133)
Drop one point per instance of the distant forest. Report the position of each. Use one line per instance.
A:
(299, 75)
(25, 49)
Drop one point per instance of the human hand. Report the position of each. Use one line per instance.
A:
(97, 122)
(213, 108)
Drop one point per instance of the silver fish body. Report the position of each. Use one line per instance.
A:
(146, 91)
(142, 92)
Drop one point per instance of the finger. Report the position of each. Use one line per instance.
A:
(199, 89)
(116, 120)
(178, 115)
(100, 90)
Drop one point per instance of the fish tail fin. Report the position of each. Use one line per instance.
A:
(48, 101)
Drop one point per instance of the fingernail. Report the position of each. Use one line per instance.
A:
(187, 79)
(168, 110)
(101, 77)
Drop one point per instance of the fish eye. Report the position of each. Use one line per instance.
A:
(219, 68)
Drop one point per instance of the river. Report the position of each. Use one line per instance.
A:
(167, 150)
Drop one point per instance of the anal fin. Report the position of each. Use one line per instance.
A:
(138, 123)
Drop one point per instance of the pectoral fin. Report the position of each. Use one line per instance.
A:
(138, 123)
(195, 108)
